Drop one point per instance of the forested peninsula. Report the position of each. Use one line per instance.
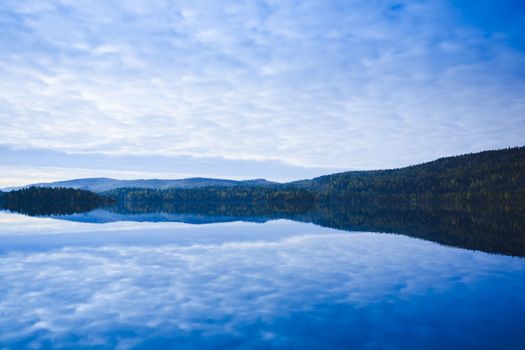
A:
(52, 201)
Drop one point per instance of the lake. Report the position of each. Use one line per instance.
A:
(221, 280)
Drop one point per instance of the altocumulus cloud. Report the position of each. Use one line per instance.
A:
(334, 84)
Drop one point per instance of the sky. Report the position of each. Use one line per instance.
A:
(248, 89)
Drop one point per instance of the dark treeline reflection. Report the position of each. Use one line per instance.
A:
(489, 228)
(494, 228)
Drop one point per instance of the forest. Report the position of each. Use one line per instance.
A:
(474, 201)
(486, 176)
(50, 201)
(492, 176)
(215, 194)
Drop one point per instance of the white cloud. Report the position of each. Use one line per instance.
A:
(47, 166)
(354, 84)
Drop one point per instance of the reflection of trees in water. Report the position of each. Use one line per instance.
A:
(497, 228)
(489, 228)
(233, 209)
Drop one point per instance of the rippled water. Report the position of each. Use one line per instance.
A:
(279, 284)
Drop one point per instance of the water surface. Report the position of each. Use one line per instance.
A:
(268, 284)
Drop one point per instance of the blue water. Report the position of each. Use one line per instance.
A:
(277, 285)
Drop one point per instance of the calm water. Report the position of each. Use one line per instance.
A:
(95, 282)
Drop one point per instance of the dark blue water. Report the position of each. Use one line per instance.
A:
(234, 285)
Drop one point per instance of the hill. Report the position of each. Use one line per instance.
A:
(491, 175)
(106, 184)
(487, 176)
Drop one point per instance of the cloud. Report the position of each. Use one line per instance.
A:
(239, 293)
(25, 166)
(326, 83)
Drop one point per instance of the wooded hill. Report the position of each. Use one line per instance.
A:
(486, 176)
(491, 175)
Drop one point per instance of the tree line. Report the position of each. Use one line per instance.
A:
(487, 176)
(52, 201)
(492, 176)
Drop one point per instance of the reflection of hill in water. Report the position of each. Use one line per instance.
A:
(494, 229)
(102, 216)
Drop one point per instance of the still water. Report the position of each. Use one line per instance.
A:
(82, 282)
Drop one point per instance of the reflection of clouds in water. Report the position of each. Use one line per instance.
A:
(17, 224)
(248, 291)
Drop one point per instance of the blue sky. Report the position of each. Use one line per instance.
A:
(245, 89)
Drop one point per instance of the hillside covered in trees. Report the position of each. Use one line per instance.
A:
(474, 201)
(487, 176)
(492, 176)
(216, 194)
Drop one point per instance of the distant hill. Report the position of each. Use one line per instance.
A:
(486, 176)
(480, 177)
(106, 184)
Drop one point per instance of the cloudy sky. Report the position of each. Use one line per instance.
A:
(245, 89)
